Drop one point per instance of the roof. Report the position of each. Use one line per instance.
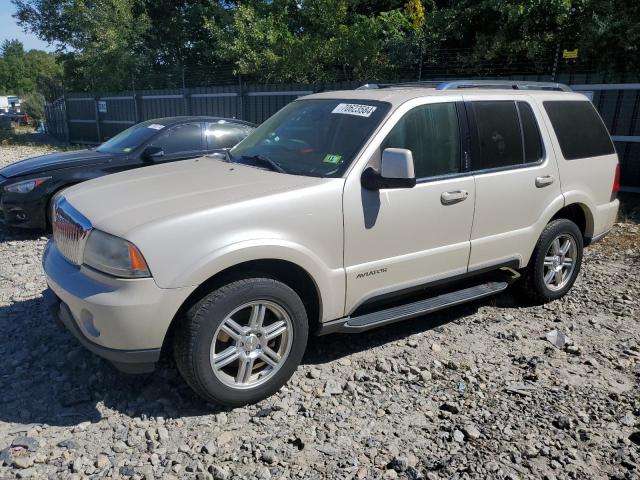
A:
(195, 118)
(398, 95)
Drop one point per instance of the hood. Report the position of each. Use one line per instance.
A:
(54, 161)
(121, 202)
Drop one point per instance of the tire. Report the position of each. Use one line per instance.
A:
(219, 326)
(542, 285)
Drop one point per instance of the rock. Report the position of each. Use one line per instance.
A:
(450, 407)
(557, 338)
(69, 444)
(224, 438)
(163, 434)
(102, 462)
(436, 348)
(27, 443)
(471, 431)
(390, 475)
(210, 447)
(269, 456)
(458, 436)
(23, 461)
(572, 349)
(219, 473)
(562, 422)
(332, 388)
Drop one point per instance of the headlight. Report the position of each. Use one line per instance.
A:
(115, 256)
(26, 186)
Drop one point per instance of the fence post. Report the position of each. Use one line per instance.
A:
(240, 105)
(136, 113)
(65, 116)
(97, 114)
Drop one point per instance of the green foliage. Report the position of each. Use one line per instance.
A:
(33, 105)
(23, 72)
(112, 44)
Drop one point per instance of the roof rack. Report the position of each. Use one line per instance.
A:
(421, 84)
(508, 84)
(455, 84)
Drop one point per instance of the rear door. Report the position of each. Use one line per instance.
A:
(180, 142)
(516, 179)
(224, 134)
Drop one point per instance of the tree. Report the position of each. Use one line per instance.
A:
(33, 104)
(23, 72)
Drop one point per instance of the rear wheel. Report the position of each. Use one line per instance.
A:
(555, 263)
(243, 341)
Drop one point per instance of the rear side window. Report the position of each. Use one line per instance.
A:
(432, 134)
(499, 136)
(222, 134)
(530, 134)
(580, 131)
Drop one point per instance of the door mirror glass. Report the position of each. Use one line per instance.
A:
(152, 153)
(396, 171)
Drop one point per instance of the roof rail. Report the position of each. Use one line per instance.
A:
(508, 84)
(420, 84)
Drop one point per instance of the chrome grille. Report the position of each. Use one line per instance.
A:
(70, 230)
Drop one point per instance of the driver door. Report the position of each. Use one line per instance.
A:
(396, 239)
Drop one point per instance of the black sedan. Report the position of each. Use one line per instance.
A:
(26, 187)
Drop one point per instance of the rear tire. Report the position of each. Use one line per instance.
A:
(242, 342)
(555, 262)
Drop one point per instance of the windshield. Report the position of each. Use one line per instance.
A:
(317, 138)
(131, 138)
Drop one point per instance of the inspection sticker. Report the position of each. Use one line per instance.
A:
(156, 126)
(354, 109)
(332, 158)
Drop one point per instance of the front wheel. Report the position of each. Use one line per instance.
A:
(243, 341)
(555, 262)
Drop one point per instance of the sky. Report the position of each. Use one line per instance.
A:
(10, 30)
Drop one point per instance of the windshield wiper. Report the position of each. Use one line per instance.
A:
(265, 161)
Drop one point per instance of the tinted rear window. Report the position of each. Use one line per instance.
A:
(499, 136)
(530, 134)
(579, 129)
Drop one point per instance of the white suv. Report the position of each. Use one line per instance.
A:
(344, 211)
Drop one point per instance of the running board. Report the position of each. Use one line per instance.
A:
(403, 312)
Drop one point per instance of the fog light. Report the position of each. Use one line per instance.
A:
(87, 321)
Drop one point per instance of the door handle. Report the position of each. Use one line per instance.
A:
(455, 196)
(544, 181)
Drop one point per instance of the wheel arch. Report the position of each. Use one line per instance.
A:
(285, 271)
(581, 215)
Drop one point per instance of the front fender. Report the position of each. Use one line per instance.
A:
(329, 281)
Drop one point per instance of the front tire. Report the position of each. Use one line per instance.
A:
(555, 262)
(242, 342)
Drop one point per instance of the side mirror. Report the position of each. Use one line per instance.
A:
(152, 153)
(396, 171)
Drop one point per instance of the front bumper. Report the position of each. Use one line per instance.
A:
(129, 361)
(22, 210)
(122, 320)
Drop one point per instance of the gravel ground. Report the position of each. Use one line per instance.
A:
(474, 392)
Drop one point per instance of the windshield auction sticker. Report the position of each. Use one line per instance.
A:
(354, 109)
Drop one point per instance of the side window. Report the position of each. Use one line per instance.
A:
(225, 135)
(533, 151)
(432, 134)
(181, 138)
(499, 137)
(580, 130)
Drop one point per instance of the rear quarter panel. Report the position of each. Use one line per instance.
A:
(585, 181)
